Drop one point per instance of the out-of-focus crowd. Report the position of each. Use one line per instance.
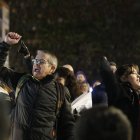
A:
(51, 102)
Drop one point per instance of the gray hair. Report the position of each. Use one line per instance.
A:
(52, 58)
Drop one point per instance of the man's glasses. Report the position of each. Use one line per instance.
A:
(39, 61)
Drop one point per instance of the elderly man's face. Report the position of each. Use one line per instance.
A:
(41, 65)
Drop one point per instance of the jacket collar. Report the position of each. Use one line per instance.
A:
(47, 79)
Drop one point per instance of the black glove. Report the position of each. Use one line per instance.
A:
(23, 49)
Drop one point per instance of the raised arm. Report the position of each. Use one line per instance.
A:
(27, 57)
(10, 39)
(112, 85)
(7, 75)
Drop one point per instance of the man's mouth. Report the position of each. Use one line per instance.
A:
(36, 70)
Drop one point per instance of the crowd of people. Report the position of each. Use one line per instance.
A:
(51, 102)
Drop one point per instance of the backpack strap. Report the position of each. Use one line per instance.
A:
(60, 97)
(21, 82)
(60, 100)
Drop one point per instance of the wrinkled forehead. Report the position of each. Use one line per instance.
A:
(42, 55)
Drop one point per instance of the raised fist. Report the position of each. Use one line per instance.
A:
(12, 38)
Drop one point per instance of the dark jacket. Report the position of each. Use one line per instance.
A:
(99, 95)
(121, 95)
(35, 111)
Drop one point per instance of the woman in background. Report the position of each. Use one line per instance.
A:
(123, 91)
(67, 78)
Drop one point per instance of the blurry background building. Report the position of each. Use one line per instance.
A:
(4, 23)
(79, 31)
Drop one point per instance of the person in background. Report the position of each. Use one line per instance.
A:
(68, 66)
(113, 66)
(84, 101)
(103, 123)
(99, 95)
(81, 77)
(67, 78)
(84, 87)
(6, 106)
(122, 90)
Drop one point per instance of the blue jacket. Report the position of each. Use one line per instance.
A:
(99, 95)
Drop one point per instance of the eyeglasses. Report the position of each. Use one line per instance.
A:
(39, 61)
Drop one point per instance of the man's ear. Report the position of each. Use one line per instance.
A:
(52, 70)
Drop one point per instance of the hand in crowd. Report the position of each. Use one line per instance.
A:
(105, 58)
(12, 38)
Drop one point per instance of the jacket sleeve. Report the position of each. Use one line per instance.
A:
(23, 49)
(66, 120)
(7, 75)
(4, 47)
(110, 81)
(28, 63)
